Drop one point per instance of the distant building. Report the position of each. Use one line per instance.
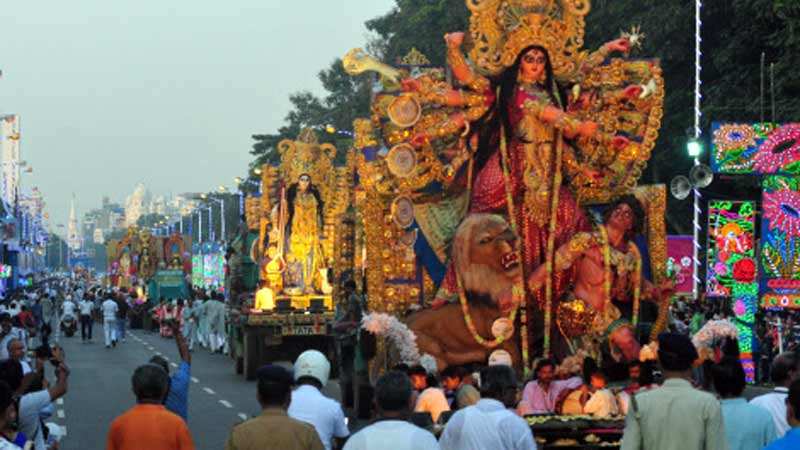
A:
(10, 158)
(74, 238)
(137, 204)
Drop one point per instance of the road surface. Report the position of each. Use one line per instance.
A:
(100, 390)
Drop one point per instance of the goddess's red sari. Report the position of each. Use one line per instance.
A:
(489, 196)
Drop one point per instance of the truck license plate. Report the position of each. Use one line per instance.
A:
(299, 330)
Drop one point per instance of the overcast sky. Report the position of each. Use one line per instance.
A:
(112, 93)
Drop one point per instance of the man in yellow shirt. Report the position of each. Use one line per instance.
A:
(265, 298)
(274, 429)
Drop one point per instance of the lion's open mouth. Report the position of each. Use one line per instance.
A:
(510, 261)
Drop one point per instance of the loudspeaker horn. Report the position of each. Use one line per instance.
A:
(701, 176)
(680, 187)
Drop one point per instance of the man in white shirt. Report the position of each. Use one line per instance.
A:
(86, 306)
(7, 334)
(785, 369)
(68, 308)
(602, 403)
(392, 431)
(16, 351)
(311, 372)
(110, 309)
(32, 403)
(489, 423)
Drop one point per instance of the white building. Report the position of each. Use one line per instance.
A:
(9, 158)
(74, 241)
(137, 204)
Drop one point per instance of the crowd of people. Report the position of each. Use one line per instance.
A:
(414, 407)
(29, 319)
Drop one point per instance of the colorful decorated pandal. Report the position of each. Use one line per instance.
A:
(418, 131)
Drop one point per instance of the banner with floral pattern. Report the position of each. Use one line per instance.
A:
(731, 246)
(758, 148)
(732, 270)
(780, 239)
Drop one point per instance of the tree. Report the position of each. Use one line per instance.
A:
(419, 24)
(735, 33)
(347, 98)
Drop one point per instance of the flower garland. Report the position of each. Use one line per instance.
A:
(637, 282)
(608, 275)
(551, 244)
(607, 266)
(462, 297)
(518, 290)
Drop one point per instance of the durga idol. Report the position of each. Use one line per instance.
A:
(524, 142)
(303, 233)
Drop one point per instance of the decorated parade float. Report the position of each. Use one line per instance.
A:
(153, 267)
(297, 232)
(497, 205)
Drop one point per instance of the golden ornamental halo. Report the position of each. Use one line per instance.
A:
(306, 155)
(501, 29)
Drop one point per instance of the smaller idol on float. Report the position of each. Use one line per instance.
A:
(303, 233)
(294, 237)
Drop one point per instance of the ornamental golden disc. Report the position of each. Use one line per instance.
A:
(405, 110)
(403, 212)
(402, 160)
(502, 328)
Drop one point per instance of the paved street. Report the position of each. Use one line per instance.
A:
(100, 390)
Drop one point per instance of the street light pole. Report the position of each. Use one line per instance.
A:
(211, 234)
(222, 217)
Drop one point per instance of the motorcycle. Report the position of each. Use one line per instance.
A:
(69, 325)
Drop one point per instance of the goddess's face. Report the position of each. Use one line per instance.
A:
(304, 182)
(532, 66)
(622, 217)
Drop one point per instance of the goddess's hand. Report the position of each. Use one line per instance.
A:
(632, 91)
(620, 142)
(454, 40)
(411, 85)
(622, 45)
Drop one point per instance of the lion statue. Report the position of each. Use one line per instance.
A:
(487, 265)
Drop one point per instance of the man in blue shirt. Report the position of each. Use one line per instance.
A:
(177, 399)
(791, 441)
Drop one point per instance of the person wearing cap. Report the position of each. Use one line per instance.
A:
(311, 372)
(655, 417)
(500, 357)
(392, 430)
(274, 429)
